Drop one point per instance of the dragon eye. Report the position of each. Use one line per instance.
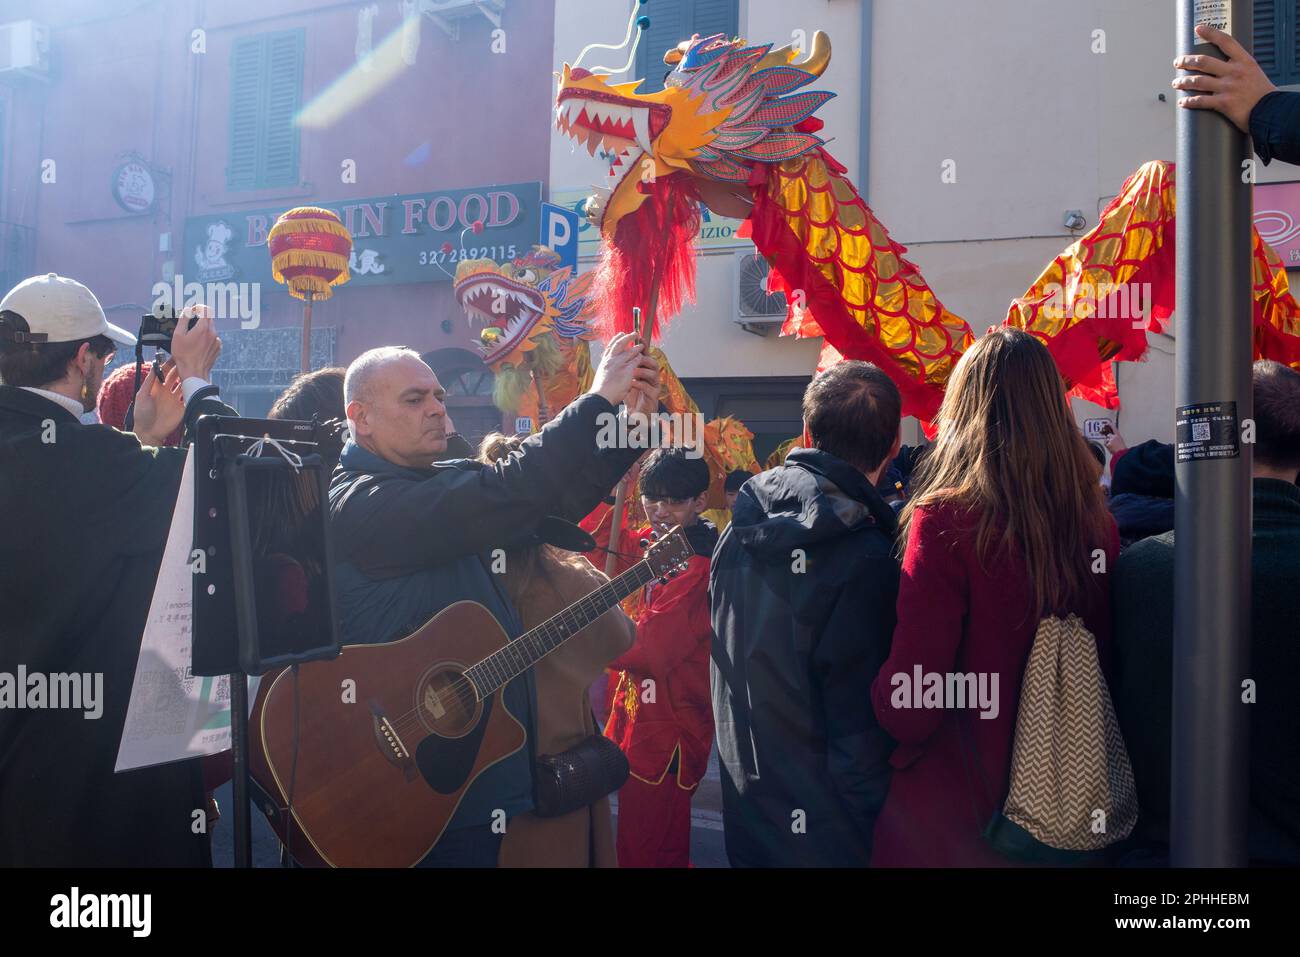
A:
(526, 275)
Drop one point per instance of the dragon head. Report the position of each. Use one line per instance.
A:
(519, 302)
(723, 108)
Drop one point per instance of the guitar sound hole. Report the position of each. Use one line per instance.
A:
(446, 703)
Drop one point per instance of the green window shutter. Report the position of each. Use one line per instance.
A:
(283, 99)
(716, 16)
(668, 27)
(1265, 36)
(265, 94)
(671, 22)
(245, 110)
(1288, 42)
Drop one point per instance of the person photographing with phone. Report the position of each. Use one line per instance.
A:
(76, 591)
(414, 535)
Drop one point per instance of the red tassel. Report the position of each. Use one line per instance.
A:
(654, 244)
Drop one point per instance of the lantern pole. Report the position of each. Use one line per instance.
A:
(306, 333)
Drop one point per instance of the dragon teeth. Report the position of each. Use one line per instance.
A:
(641, 124)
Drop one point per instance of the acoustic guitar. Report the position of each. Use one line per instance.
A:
(366, 757)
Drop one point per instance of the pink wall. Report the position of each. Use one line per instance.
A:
(125, 79)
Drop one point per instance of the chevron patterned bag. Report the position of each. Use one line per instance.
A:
(1071, 792)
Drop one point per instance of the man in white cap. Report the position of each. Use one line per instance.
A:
(86, 512)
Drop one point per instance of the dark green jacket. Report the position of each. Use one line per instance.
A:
(1144, 607)
(85, 518)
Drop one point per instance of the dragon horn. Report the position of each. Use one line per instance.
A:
(818, 58)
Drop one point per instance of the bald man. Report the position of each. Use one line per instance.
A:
(413, 535)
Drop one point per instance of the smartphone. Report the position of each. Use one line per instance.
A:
(157, 329)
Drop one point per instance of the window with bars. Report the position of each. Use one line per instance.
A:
(1276, 43)
(265, 95)
(671, 22)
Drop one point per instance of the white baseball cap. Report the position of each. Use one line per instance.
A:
(61, 309)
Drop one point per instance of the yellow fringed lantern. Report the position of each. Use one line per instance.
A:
(310, 248)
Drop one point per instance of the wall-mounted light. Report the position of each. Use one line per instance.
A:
(1074, 219)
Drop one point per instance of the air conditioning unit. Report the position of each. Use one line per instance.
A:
(757, 310)
(447, 13)
(24, 50)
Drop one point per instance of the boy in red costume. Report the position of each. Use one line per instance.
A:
(662, 716)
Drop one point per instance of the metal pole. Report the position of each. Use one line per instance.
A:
(1212, 391)
(239, 785)
(306, 334)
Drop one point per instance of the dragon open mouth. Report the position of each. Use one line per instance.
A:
(623, 127)
(499, 302)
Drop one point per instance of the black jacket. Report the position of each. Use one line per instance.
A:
(1143, 596)
(1140, 515)
(1142, 491)
(1275, 127)
(803, 587)
(409, 542)
(86, 512)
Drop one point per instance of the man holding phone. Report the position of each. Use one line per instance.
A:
(87, 509)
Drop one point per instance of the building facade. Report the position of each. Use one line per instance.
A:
(159, 140)
(156, 141)
(1036, 110)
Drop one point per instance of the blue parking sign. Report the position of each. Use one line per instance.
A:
(560, 232)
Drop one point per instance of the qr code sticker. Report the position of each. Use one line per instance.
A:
(1200, 431)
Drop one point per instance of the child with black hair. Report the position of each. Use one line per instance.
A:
(662, 715)
(735, 479)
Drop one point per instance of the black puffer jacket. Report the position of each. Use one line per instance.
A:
(803, 587)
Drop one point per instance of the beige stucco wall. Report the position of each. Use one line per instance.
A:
(1040, 114)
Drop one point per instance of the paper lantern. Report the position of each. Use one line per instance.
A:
(310, 248)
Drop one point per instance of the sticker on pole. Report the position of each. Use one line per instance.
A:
(1207, 431)
(1213, 13)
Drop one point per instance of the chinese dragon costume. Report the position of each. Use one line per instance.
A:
(536, 323)
(734, 128)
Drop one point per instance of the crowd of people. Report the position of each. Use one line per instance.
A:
(854, 562)
(796, 642)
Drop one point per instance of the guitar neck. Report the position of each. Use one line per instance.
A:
(519, 655)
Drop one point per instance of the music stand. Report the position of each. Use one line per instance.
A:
(266, 599)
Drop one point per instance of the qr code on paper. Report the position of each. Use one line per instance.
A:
(1200, 431)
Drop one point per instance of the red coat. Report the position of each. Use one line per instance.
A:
(673, 637)
(956, 616)
(598, 524)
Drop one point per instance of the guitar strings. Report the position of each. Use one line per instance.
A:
(411, 720)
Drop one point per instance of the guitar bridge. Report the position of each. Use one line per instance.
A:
(391, 744)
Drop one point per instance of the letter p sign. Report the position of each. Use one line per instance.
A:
(560, 232)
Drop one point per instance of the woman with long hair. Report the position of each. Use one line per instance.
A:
(542, 580)
(1007, 525)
